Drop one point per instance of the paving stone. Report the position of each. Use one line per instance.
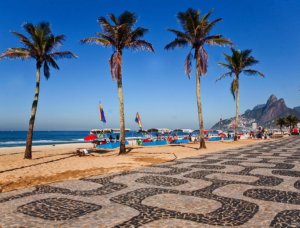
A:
(57, 208)
(242, 187)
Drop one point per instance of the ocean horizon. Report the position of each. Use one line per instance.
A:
(18, 138)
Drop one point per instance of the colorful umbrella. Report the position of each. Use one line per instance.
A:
(90, 137)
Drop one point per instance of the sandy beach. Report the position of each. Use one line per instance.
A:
(56, 163)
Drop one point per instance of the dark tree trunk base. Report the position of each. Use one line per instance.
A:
(28, 154)
(202, 144)
(122, 149)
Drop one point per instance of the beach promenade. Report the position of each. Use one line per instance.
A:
(254, 186)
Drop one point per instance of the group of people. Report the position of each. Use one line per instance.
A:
(261, 134)
(112, 139)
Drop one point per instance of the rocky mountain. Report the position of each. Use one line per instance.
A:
(297, 108)
(264, 115)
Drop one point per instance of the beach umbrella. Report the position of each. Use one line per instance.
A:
(90, 137)
(222, 135)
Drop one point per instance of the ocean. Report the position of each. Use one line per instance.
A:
(18, 138)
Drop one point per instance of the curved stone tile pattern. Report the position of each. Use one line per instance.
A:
(274, 195)
(55, 209)
(290, 173)
(178, 192)
(161, 181)
(288, 218)
(297, 185)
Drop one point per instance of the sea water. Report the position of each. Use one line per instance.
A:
(18, 138)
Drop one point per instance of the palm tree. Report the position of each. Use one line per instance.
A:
(41, 46)
(238, 63)
(196, 34)
(120, 34)
(281, 122)
(291, 121)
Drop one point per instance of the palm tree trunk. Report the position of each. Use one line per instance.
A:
(237, 97)
(200, 113)
(122, 118)
(28, 150)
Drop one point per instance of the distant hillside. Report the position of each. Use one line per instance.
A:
(263, 114)
(297, 108)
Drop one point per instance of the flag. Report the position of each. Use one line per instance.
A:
(138, 120)
(102, 116)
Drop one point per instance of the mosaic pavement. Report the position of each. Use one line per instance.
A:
(253, 186)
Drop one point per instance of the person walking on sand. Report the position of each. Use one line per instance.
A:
(190, 137)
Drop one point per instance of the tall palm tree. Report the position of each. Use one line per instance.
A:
(196, 34)
(120, 33)
(40, 45)
(291, 121)
(281, 122)
(238, 63)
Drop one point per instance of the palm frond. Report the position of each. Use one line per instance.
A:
(106, 26)
(53, 42)
(251, 72)
(246, 53)
(250, 61)
(217, 40)
(62, 55)
(96, 40)
(204, 19)
(30, 28)
(120, 34)
(46, 70)
(228, 74)
(58, 40)
(43, 27)
(115, 63)
(111, 66)
(141, 45)
(128, 18)
(39, 45)
(237, 63)
(228, 66)
(24, 40)
(12, 53)
(189, 20)
(188, 64)
(113, 18)
(138, 33)
(176, 43)
(110, 38)
(211, 25)
(180, 35)
(52, 63)
(228, 58)
(234, 87)
(202, 61)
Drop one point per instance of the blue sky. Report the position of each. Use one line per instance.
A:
(154, 83)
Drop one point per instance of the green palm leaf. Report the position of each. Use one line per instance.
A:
(234, 87)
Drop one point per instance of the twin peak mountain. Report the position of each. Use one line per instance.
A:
(264, 115)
